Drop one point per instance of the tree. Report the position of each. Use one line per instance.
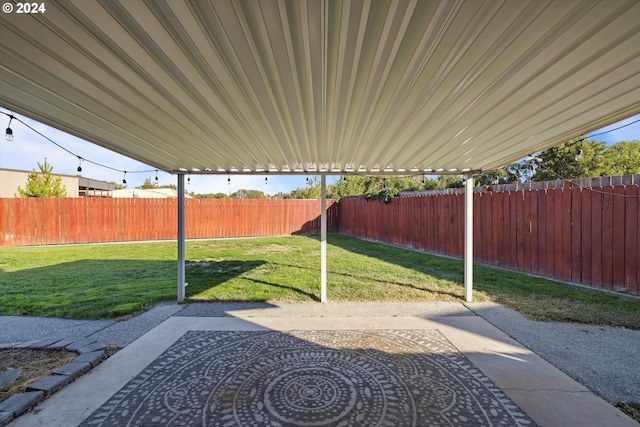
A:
(622, 158)
(248, 194)
(382, 188)
(509, 174)
(573, 159)
(43, 183)
(149, 184)
(313, 190)
(348, 185)
(209, 196)
(450, 181)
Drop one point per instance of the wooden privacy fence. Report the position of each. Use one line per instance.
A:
(589, 236)
(92, 220)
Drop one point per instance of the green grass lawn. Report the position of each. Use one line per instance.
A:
(111, 280)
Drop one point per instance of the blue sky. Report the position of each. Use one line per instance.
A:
(29, 148)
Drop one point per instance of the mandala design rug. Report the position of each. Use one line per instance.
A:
(311, 379)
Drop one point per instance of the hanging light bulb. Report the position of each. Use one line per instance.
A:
(579, 156)
(266, 180)
(124, 178)
(80, 164)
(8, 134)
(228, 180)
(156, 175)
(188, 180)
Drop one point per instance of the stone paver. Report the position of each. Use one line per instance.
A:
(44, 343)
(93, 357)
(81, 343)
(73, 369)
(5, 418)
(49, 384)
(61, 344)
(18, 403)
(8, 376)
(26, 344)
(98, 345)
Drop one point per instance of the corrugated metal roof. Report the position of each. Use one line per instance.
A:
(324, 86)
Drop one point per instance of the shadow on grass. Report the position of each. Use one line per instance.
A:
(87, 289)
(203, 276)
(98, 289)
(434, 266)
(364, 276)
(288, 288)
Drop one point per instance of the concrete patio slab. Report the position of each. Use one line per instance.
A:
(544, 393)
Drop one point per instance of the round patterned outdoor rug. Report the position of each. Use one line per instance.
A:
(310, 379)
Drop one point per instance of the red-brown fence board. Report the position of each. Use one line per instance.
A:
(517, 208)
(484, 227)
(631, 240)
(617, 253)
(587, 238)
(497, 227)
(596, 239)
(607, 237)
(76, 220)
(2, 223)
(548, 231)
(563, 251)
(576, 235)
(477, 225)
(526, 230)
(513, 232)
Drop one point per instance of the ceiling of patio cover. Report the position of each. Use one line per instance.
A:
(324, 86)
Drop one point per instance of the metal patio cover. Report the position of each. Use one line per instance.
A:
(324, 86)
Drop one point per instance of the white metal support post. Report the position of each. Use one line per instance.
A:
(181, 262)
(468, 238)
(323, 238)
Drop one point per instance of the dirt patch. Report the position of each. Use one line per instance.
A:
(35, 364)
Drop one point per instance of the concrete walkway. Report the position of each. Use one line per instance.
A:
(542, 391)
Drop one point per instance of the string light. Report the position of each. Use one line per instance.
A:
(531, 159)
(188, 180)
(8, 135)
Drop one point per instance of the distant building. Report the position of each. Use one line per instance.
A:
(75, 185)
